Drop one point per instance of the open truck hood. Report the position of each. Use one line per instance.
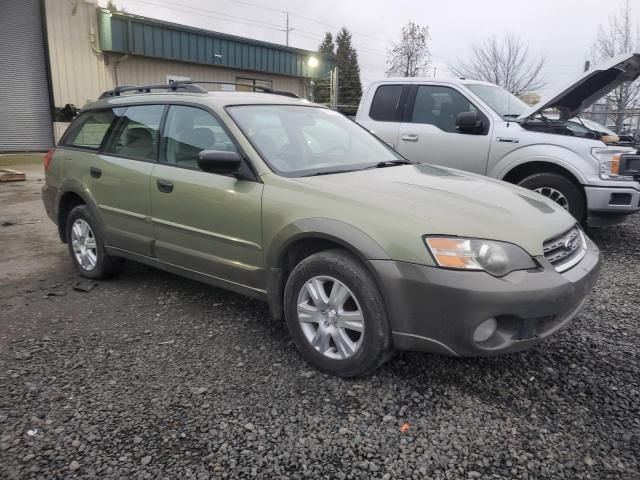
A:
(589, 87)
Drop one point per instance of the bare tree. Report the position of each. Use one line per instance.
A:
(505, 62)
(411, 57)
(619, 35)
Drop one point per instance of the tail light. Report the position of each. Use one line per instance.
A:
(48, 157)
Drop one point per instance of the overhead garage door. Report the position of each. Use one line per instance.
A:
(25, 115)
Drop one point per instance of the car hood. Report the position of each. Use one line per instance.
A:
(444, 201)
(589, 87)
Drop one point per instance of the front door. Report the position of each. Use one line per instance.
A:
(203, 221)
(429, 133)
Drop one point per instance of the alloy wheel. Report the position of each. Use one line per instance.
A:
(84, 244)
(555, 195)
(330, 317)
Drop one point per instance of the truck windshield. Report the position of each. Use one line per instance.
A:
(508, 106)
(298, 140)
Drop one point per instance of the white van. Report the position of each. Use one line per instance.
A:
(481, 128)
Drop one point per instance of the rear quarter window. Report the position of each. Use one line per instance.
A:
(90, 129)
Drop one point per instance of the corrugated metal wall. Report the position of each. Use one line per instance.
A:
(25, 109)
(146, 71)
(78, 73)
(154, 38)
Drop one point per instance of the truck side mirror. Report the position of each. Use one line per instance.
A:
(469, 122)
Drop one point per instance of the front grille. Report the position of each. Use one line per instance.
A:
(565, 250)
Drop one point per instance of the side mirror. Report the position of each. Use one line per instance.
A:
(216, 161)
(469, 122)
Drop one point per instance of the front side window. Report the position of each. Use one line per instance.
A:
(90, 129)
(439, 106)
(299, 140)
(188, 131)
(385, 103)
(136, 133)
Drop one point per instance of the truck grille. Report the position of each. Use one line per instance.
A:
(565, 250)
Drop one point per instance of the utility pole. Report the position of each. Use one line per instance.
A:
(287, 29)
(333, 94)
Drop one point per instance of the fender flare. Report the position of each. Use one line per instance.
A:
(351, 238)
(78, 188)
(552, 154)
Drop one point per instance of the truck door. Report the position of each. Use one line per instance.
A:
(428, 133)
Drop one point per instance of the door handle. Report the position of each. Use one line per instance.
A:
(164, 186)
(95, 172)
(410, 137)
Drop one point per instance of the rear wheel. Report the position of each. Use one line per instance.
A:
(336, 315)
(559, 189)
(86, 246)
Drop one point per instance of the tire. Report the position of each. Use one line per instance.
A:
(359, 306)
(551, 184)
(92, 261)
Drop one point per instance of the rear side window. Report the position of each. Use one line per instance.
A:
(385, 103)
(137, 131)
(90, 129)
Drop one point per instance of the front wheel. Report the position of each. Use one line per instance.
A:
(336, 315)
(559, 189)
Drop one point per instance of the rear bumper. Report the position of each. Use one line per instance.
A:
(437, 310)
(49, 197)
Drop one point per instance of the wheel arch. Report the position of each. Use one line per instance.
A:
(301, 239)
(70, 196)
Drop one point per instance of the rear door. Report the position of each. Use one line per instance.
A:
(205, 222)
(118, 176)
(385, 113)
(428, 133)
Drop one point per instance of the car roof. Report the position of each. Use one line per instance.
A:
(443, 80)
(211, 99)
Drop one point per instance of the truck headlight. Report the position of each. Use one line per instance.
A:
(609, 161)
(496, 258)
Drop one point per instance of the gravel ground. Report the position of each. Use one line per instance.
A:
(154, 376)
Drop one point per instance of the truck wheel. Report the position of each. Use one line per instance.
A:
(559, 189)
(335, 314)
(87, 248)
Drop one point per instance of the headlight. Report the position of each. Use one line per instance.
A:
(609, 160)
(496, 258)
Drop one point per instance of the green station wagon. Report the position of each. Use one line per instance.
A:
(360, 250)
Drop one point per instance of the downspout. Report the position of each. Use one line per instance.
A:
(115, 67)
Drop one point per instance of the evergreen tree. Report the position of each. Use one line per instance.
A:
(346, 59)
(327, 50)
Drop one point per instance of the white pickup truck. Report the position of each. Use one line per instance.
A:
(481, 128)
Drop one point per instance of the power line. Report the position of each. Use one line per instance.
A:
(210, 14)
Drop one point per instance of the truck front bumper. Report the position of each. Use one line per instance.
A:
(437, 310)
(607, 204)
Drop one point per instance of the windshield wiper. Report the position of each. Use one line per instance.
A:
(391, 163)
(511, 115)
(330, 172)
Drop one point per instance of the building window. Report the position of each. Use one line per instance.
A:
(252, 82)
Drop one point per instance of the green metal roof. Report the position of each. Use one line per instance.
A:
(134, 35)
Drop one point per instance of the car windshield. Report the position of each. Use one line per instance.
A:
(508, 106)
(307, 140)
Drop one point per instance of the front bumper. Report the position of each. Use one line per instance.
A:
(436, 310)
(612, 200)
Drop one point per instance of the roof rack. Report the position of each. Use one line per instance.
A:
(219, 82)
(148, 88)
(190, 86)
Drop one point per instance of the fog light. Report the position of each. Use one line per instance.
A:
(485, 330)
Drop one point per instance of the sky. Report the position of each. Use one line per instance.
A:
(562, 31)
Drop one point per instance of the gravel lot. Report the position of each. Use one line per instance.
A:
(154, 376)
